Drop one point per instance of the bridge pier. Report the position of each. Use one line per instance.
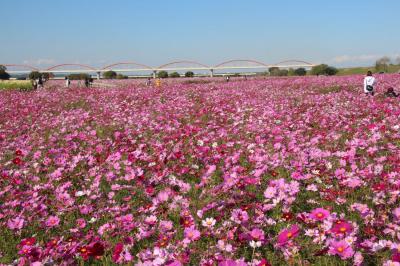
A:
(212, 73)
(154, 74)
(98, 75)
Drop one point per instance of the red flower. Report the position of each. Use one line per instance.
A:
(117, 251)
(379, 187)
(287, 216)
(17, 161)
(27, 242)
(52, 243)
(370, 231)
(186, 222)
(149, 190)
(96, 250)
(396, 256)
(84, 252)
(18, 152)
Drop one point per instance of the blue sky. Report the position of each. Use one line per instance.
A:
(97, 32)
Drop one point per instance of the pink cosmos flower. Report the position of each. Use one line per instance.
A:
(52, 221)
(341, 248)
(81, 223)
(16, 224)
(257, 234)
(319, 214)
(191, 233)
(288, 234)
(239, 216)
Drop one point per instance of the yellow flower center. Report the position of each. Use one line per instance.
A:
(342, 229)
(289, 235)
(340, 249)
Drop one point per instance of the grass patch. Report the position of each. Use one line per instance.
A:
(23, 85)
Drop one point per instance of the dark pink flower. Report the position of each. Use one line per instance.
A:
(287, 235)
(319, 214)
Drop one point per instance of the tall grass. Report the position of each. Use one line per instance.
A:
(15, 84)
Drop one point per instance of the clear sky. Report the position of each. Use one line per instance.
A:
(152, 32)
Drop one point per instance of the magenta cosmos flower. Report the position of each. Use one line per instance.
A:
(319, 214)
(341, 248)
(52, 221)
(288, 234)
(342, 227)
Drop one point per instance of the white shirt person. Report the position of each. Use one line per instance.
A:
(369, 83)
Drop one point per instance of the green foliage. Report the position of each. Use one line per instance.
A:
(110, 74)
(3, 73)
(189, 74)
(35, 75)
(79, 76)
(162, 74)
(275, 71)
(300, 71)
(47, 75)
(382, 64)
(324, 69)
(120, 76)
(174, 75)
(331, 71)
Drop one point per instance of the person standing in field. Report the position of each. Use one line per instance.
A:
(148, 82)
(369, 83)
(67, 82)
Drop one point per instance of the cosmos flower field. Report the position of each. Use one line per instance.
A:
(278, 171)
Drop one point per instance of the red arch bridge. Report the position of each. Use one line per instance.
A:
(243, 65)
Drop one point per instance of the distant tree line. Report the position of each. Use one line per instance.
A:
(384, 63)
(3, 73)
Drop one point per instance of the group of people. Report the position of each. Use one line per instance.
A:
(88, 82)
(369, 84)
(38, 83)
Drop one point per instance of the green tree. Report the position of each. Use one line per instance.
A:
(382, 64)
(300, 71)
(79, 76)
(35, 75)
(162, 74)
(324, 69)
(189, 74)
(110, 74)
(174, 75)
(273, 71)
(47, 75)
(3, 73)
(120, 76)
(331, 71)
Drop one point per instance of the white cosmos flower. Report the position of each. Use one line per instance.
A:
(80, 193)
(255, 244)
(208, 222)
